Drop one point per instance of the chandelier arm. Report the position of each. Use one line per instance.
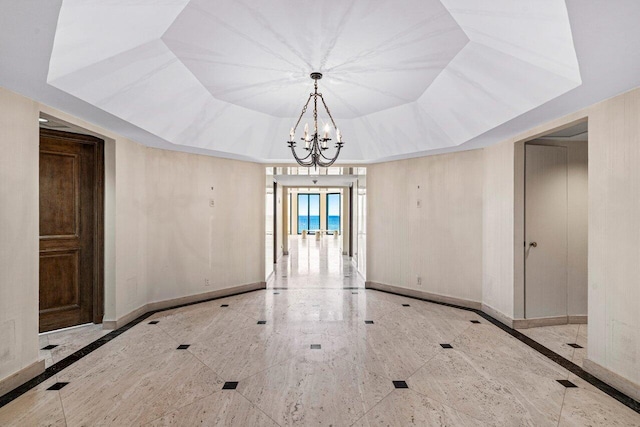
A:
(328, 158)
(328, 112)
(332, 158)
(329, 163)
(301, 161)
(306, 157)
(304, 110)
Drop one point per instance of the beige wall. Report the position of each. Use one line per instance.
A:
(130, 291)
(280, 215)
(360, 222)
(614, 236)
(19, 233)
(441, 241)
(189, 241)
(269, 232)
(498, 228)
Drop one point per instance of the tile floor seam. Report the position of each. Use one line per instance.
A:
(243, 315)
(564, 395)
(257, 407)
(448, 405)
(452, 405)
(266, 369)
(64, 415)
(436, 353)
(372, 407)
(175, 409)
(363, 367)
(195, 357)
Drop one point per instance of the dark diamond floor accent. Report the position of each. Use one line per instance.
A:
(49, 347)
(475, 321)
(276, 293)
(224, 305)
(406, 305)
(316, 346)
(262, 322)
(368, 322)
(154, 322)
(567, 383)
(400, 384)
(354, 293)
(230, 385)
(57, 386)
(183, 346)
(574, 345)
(446, 346)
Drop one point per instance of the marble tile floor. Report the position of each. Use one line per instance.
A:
(558, 337)
(56, 345)
(315, 264)
(268, 344)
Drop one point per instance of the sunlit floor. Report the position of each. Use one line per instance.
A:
(315, 264)
(311, 350)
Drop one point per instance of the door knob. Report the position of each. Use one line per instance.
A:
(534, 244)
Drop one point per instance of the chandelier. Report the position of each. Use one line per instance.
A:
(313, 144)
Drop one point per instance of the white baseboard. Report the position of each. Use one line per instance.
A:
(614, 380)
(424, 295)
(22, 376)
(159, 305)
(541, 321)
(498, 315)
(579, 319)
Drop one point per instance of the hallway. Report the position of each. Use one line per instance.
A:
(315, 348)
(315, 264)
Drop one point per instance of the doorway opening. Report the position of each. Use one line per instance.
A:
(326, 205)
(555, 224)
(555, 210)
(71, 289)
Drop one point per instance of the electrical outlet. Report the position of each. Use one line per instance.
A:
(207, 282)
(211, 203)
(419, 203)
(419, 281)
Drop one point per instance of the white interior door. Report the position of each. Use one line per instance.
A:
(545, 231)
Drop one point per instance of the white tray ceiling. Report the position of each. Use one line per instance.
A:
(401, 77)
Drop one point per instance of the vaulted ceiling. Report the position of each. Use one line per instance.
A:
(402, 78)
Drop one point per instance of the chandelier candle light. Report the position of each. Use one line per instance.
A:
(315, 145)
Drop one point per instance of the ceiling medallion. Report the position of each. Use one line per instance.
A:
(315, 145)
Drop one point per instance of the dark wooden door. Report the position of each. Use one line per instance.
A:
(71, 182)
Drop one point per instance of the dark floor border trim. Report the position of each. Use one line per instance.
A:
(550, 354)
(73, 358)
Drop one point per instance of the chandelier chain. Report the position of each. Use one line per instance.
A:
(315, 106)
(304, 110)
(328, 112)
